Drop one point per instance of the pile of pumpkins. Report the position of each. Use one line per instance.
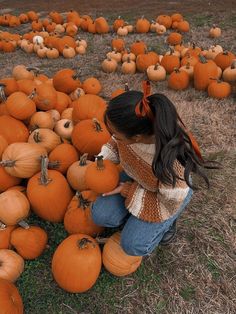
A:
(213, 69)
(50, 131)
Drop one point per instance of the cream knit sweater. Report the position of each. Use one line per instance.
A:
(146, 197)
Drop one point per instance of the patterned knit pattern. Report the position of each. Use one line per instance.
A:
(146, 197)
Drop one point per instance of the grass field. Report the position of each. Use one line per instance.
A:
(196, 273)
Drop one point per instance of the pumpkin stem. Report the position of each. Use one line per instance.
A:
(156, 66)
(31, 96)
(7, 163)
(83, 243)
(44, 180)
(54, 164)
(83, 202)
(83, 160)
(176, 70)
(202, 59)
(2, 226)
(34, 69)
(2, 93)
(128, 60)
(36, 137)
(97, 125)
(100, 163)
(23, 224)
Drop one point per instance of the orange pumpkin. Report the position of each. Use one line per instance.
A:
(165, 20)
(174, 39)
(9, 85)
(63, 101)
(76, 173)
(118, 44)
(89, 135)
(143, 61)
(178, 80)
(218, 89)
(101, 25)
(26, 86)
(13, 130)
(45, 138)
(92, 86)
(62, 157)
(204, 71)
(102, 176)
(12, 265)
(49, 193)
(88, 107)
(29, 242)
(6, 180)
(116, 261)
(10, 299)
(5, 234)
(41, 119)
(78, 217)
(45, 97)
(3, 145)
(142, 25)
(170, 62)
(79, 272)
(224, 59)
(119, 22)
(138, 47)
(20, 106)
(66, 81)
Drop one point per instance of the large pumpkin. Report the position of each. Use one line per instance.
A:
(11, 265)
(78, 217)
(13, 130)
(29, 242)
(66, 81)
(88, 136)
(88, 107)
(22, 160)
(20, 106)
(204, 71)
(116, 261)
(10, 299)
(46, 96)
(76, 263)
(45, 138)
(49, 193)
(102, 176)
(14, 207)
(101, 25)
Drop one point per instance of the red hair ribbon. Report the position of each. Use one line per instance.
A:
(143, 109)
(194, 143)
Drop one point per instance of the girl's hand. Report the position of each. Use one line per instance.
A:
(118, 189)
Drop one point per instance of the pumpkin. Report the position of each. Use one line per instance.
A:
(52, 53)
(6, 180)
(138, 47)
(38, 39)
(64, 128)
(29, 242)
(215, 32)
(3, 145)
(13, 130)
(40, 120)
(20, 106)
(56, 17)
(62, 157)
(122, 31)
(77, 93)
(128, 67)
(79, 272)
(129, 55)
(10, 299)
(204, 71)
(88, 107)
(81, 42)
(178, 80)
(54, 114)
(89, 135)
(142, 25)
(118, 44)
(49, 193)
(9, 85)
(174, 39)
(218, 89)
(45, 138)
(63, 101)
(177, 17)
(213, 52)
(26, 86)
(11, 265)
(165, 20)
(92, 27)
(32, 15)
(183, 26)
(119, 22)
(170, 62)
(22, 160)
(78, 218)
(156, 73)
(37, 26)
(66, 81)
(68, 52)
(109, 65)
(143, 61)
(5, 234)
(224, 59)
(160, 29)
(153, 26)
(45, 96)
(192, 60)
(92, 86)
(116, 261)
(76, 173)
(20, 72)
(101, 25)
(42, 52)
(67, 114)
(120, 91)
(80, 50)
(102, 176)
(188, 69)
(114, 55)
(23, 18)
(229, 74)
(17, 207)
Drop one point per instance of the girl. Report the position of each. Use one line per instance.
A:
(158, 156)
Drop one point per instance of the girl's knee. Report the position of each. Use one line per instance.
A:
(132, 247)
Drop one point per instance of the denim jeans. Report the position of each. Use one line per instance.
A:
(138, 237)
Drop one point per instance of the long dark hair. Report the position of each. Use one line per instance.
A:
(171, 141)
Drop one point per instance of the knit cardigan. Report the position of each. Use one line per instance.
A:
(146, 197)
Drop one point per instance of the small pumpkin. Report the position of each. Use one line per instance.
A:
(29, 242)
(66, 81)
(116, 261)
(61, 161)
(170, 62)
(215, 32)
(118, 44)
(68, 52)
(229, 74)
(183, 26)
(20, 72)
(92, 86)
(102, 176)
(64, 128)
(224, 59)
(40, 120)
(114, 55)
(101, 25)
(119, 22)
(174, 39)
(156, 73)
(45, 138)
(45, 96)
(78, 92)
(122, 31)
(128, 67)
(109, 65)
(143, 61)
(165, 20)
(188, 69)
(142, 25)
(178, 80)
(138, 47)
(218, 89)
(67, 114)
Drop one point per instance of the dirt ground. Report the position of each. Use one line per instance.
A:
(195, 274)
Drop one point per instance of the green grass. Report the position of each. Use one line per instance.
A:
(187, 293)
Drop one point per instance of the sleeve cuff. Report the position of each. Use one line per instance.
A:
(125, 188)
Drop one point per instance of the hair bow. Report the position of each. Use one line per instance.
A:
(143, 109)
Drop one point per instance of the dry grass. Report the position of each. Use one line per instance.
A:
(195, 274)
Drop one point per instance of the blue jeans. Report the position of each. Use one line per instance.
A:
(138, 237)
